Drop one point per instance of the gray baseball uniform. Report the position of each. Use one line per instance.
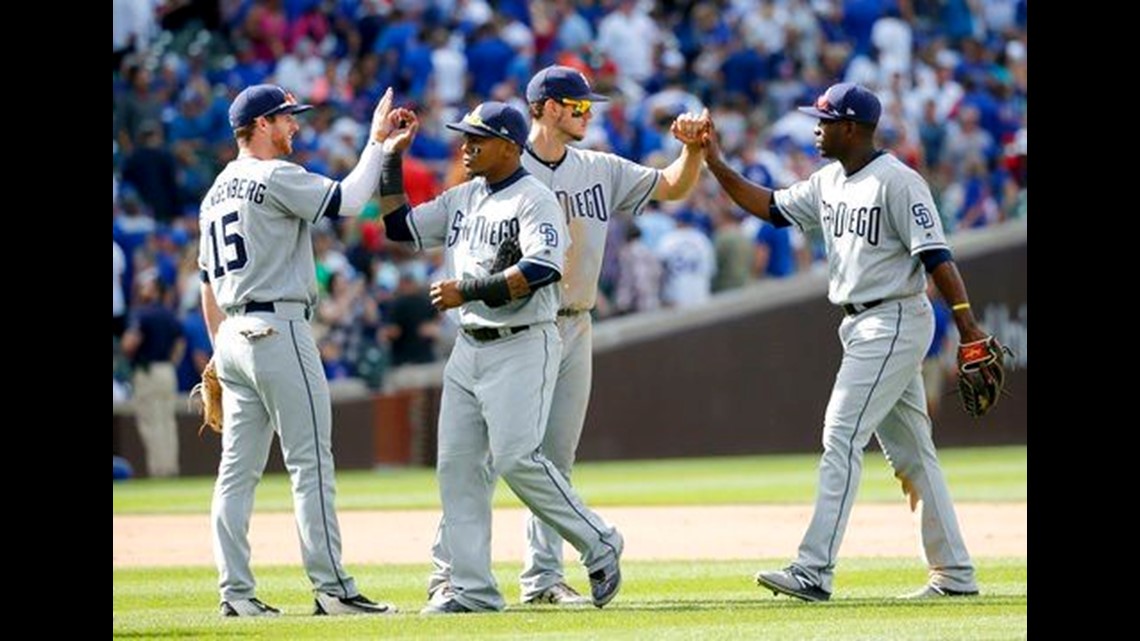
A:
(498, 385)
(874, 223)
(257, 254)
(591, 187)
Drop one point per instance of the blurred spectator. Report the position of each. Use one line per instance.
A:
(689, 261)
(118, 298)
(733, 251)
(150, 169)
(639, 276)
(154, 342)
(1016, 197)
(138, 104)
(412, 325)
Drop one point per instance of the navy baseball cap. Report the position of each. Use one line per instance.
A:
(262, 100)
(846, 101)
(559, 82)
(494, 119)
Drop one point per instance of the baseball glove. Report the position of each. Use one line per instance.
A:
(209, 393)
(509, 253)
(981, 374)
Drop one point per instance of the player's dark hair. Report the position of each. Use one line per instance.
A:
(537, 108)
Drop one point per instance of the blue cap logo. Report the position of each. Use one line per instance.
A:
(846, 101)
(496, 119)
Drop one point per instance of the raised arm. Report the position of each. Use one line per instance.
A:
(751, 197)
(362, 182)
(679, 178)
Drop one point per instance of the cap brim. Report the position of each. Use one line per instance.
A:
(290, 109)
(476, 130)
(822, 115)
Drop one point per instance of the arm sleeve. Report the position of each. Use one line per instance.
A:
(303, 194)
(538, 274)
(800, 203)
(362, 182)
(914, 214)
(633, 184)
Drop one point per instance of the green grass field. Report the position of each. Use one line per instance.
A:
(982, 474)
(666, 600)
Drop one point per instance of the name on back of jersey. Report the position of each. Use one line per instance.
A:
(236, 189)
(846, 219)
(588, 203)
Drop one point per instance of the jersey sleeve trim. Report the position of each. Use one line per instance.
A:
(928, 247)
(330, 204)
(544, 263)
(410, 217)
(644, 199)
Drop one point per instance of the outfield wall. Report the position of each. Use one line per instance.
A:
(747, 374)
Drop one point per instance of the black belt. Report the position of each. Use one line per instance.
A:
(271, 307)
(852, 309)
(485, 334)
(259, 307)
(566, 311)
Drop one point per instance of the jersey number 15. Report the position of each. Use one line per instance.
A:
(231, 237)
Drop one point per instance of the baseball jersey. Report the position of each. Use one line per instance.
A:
(471, 220)
(255, 221)
(874, 222)
(591, 186)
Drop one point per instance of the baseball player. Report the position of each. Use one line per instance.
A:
(500, 378)
(590, 187)
(259, 288)
(881, 230)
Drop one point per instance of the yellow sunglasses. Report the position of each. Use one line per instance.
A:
(581, 106)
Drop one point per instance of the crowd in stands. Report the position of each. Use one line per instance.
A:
(952, 76)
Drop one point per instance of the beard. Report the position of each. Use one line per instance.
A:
(282, 144)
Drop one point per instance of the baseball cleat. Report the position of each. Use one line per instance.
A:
(559, 594)
(605, 583)
(936, 592)
(252, 607)
(440, 591)
(331, 605)
(789, 581)
(446, 606)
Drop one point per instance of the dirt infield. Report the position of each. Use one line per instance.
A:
(651, 533)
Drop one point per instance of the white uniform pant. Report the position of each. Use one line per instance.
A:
(879, 391)
(543, 565)
(273, 381)
(496, 401)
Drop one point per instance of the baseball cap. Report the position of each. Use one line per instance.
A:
(494, 119)
(846, 101)
(262, 100)
(560, 82)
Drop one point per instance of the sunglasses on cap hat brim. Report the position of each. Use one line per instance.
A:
(579, 106)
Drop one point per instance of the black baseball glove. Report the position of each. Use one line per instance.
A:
(509, 253)
(981, 374)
